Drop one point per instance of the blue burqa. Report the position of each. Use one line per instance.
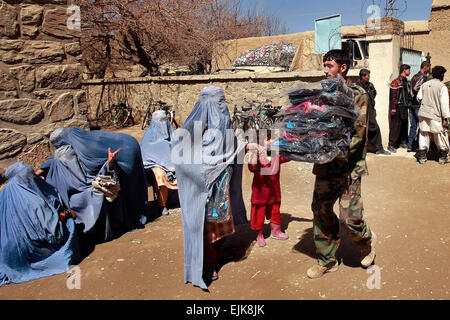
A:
(203, 148)
(81, 156)
(155, 144)
(34, 243)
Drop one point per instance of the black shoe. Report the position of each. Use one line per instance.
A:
(443, 159)
(404, 146)
(421, 156)
(392, 149)
(383, 152)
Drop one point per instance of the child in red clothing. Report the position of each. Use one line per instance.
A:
(266, 194)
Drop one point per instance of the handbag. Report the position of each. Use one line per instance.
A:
(218, 205)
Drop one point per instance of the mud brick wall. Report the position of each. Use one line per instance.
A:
(388, 25)
(40, 78)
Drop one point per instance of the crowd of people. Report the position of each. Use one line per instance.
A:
(425, 102)
(94, 187)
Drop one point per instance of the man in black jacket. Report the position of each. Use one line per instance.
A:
(374, 132)
(399, 100)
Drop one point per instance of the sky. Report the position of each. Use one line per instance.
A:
(299, 15)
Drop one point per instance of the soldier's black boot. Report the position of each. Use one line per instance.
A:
(443, 159)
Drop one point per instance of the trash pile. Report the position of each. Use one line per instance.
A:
(317, 127)
(272, 55)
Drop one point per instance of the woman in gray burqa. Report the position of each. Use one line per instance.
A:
(208, 161)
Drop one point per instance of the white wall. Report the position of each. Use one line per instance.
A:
(384, 60)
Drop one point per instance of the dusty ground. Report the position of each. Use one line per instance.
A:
(406, 204)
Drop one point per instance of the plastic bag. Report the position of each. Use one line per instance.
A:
(218, 205)
(107, 185)
(318, 126)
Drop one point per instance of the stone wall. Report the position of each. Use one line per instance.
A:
(40, 78)
(182, 92)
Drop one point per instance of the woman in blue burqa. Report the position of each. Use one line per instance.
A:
(83, 173)
(37, 237)
(156, 154)
(208, 161)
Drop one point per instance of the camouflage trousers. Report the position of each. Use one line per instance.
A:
(326, 224)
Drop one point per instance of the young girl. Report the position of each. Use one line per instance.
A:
(266, 193)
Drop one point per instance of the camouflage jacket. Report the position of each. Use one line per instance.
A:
(355, 165)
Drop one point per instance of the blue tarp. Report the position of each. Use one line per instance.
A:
(206, 154)
(72, 170)
(34, 243)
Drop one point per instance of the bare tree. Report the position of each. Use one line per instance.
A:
(155, 32)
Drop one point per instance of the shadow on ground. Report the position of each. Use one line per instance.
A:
(238, 246)
(348, 252)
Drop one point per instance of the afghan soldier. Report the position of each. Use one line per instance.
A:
(341, 179)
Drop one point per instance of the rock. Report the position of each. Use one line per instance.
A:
(34, 138)
(9, 51)
(31, 17)
(10, 57)
(21, 111)
(55, 23)
(6, 82)
(4, 95)
(36, 154)
(42, 52)
(44, 94)
(15, 45)
(59, 77)
(31, 14)
(48, 129)
(11, 143)
(73, 48)
(79, 122)
(9, 27)
(62, 109)
(82, 105)
(29, 31)
(26, 75)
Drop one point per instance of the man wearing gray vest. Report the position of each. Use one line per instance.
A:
(433, 116)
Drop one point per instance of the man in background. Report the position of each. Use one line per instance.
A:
(434, 116)
(374, 132)
(398, 110)
(416, 82)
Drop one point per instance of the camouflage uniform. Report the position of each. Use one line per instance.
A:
(341, 179)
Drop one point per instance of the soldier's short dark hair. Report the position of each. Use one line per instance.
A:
(438, 72)
(404, 67)
(425, 64)
(340, 57)
(363, 73)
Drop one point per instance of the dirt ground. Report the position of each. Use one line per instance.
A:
(406, 204)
